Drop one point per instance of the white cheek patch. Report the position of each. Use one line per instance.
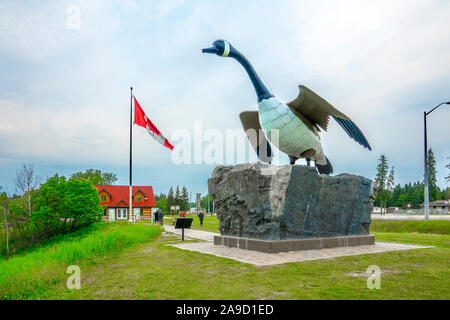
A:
(226, 51)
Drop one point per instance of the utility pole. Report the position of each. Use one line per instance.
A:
(426, 205)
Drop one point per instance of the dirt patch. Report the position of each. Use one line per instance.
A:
(365, 274)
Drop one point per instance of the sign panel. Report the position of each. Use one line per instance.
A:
(183, 223)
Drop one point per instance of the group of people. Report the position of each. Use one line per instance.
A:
(159, 216)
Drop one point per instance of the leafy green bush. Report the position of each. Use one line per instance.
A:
(66, 205)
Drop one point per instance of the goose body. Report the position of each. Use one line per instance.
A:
(292, 127)
(294, 137)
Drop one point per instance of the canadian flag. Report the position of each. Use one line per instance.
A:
(142, 120)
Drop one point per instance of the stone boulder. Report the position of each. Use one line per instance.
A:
(264, 201)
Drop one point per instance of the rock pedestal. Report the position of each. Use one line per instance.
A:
(267, 202)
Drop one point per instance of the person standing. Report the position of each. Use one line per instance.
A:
(161, 216)
(201, 216)
(156, 216)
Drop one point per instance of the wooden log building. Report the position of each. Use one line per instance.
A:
(117, 200)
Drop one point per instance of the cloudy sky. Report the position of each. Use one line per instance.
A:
(66, 68)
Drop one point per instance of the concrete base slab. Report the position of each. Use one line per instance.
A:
(262, 259)
(274, 246)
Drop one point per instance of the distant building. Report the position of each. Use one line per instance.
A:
(376, 210)
(392, 210)
(439, 204)
(117, 200)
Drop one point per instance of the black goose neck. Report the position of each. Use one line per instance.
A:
(261, 90)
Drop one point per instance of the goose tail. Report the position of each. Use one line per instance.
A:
(325, 169)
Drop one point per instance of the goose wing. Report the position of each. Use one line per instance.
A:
(310, 105)
(253, 130)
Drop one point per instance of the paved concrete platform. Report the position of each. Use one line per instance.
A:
(262, 259)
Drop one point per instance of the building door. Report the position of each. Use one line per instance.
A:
(122, 213)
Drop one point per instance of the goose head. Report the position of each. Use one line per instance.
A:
(222, 48)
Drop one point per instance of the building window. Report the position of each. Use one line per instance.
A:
(139, 198)
(122, 213)
(103, 197)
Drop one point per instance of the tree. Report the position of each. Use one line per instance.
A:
(170, 199)
(162, 204)
(4, 203)
(96, 177)
(109, 178)
(390, 180)
(434, 191)
(382, 194)
(26, 183)
(447, 178)
(66, 205)
(178, 196)
(160, 196)
(204, 203)
(446, 194)
(184, 199)
(380, 179)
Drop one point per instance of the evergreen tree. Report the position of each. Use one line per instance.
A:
(447, 178)
(390, 186)
(390, 180)
(434, 191)
(382, 170)
(381, 182)
(446, 194)
(170, 199)
(178, 197)
(184, 199)
(395, 195)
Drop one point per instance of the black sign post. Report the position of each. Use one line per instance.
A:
(183, 223)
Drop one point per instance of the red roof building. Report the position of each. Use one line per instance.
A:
(116, 198)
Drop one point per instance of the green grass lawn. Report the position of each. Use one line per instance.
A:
(155, 270)
(210, 223)
(32, 272)
(413, 226)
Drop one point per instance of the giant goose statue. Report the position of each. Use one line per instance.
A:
(298, 121)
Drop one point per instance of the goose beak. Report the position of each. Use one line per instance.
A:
(210, 50)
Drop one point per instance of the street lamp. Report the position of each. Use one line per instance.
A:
(426, 206)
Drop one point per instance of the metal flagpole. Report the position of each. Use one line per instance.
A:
(131, 216)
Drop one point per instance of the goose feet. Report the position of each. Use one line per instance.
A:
(292, 160)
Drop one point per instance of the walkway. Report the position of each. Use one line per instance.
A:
(261, 259)
(191, 233)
